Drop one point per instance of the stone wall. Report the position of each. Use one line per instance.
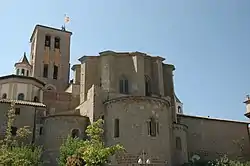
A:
(133, 114)
(60, 101)
(213, 138)
(56, 130)
(25, 118)
(180, 153)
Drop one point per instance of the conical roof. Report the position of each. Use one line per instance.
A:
(23, 60)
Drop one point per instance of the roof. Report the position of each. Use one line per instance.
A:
(109, 52)
(177, 99)
(22, 102)
(75, 66)
(22, 77)
(216, 119)
(23, 60)
(43, 26)
(75, 113)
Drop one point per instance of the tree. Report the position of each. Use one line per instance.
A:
(91, 152)
(69, 151)
(12, 151)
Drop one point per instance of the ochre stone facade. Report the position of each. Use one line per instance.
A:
(132, 91)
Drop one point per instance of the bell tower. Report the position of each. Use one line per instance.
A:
(50, 56)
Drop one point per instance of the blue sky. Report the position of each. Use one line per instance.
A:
(207, 40)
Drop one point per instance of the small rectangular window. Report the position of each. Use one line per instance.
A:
(126, 86)
(17, 111)
(57, 43)
(121, 86)
(47, 41)
(178, 143)
(116, 128)
(45, 70)
(13, 131)
(153, 127)
(157, 128)
(55, 73)
(41, 131)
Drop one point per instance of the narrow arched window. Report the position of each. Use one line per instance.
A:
(17, 71)
(147, 85)
(57, 43)
(75, 133)
(179, 109)
(4, 96)
(153, 127)
(123, 85)
(22, 72)
(20, 96)
(35, 99)
(50, 88)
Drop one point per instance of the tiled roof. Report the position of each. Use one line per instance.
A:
(21, 102)
(22, 77)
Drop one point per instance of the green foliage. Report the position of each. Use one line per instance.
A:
(68, 149)
(13, 153)
(223, 161)
(92, 151)
(23, 155)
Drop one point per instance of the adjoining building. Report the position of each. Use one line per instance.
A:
(133, 92)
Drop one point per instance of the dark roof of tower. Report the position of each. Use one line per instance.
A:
(23, 60)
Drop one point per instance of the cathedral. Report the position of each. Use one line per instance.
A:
(132, 92)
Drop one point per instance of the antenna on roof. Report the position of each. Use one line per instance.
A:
(66, 20)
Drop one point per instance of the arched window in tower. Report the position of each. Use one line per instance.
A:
(36, 99)
(179, 109)
(55, 72)
(22, 72)
(50, 88)
(147, 85)
(4, 96)
(75, 133)
(57, 43)
(27, 73)
(123, 85)
(17, 71)
(47, 41)
(20, 96)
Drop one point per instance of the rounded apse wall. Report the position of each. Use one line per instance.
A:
(57, 128)
(144, 125)
(180, 142)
